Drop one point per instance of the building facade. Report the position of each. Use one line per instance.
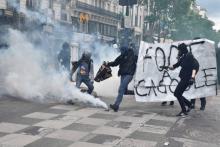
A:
(132, 24)
(102, 18)
(9, 15)
(96, 17)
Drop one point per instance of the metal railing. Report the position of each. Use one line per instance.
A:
(98, 10)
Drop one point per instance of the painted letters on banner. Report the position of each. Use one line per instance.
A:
(154, 83)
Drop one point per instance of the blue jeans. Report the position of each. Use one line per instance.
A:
(125, 80)
(84, 79)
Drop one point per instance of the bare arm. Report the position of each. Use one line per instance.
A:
(193, 73)
(171, 67)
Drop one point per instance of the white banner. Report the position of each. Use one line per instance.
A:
(153, 83)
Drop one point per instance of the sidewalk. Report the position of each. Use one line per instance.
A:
(135, 125)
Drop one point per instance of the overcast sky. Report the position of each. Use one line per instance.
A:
(213, 10)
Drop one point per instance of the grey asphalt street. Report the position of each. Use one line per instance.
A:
(29, 124)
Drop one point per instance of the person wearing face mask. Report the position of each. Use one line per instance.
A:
(127, 66)
(189, 67)
(64, 56)
(85, 72)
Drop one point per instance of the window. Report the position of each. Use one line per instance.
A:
(29, 3)
(33, 4)
(100, 3)
(75, 22)
(63, 6)
(109, 7)
(51, 4)
(136, 17)
(13, 4)
(105, 29)
(1, 12)
(114, 9)
(92, 27)
(101, 28)
(102, 6)
(64, 16)
(140, 21)
(96, 3)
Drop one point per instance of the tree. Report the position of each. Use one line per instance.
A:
(157, 19)
(177, 20)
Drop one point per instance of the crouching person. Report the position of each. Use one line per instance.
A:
(85, 72)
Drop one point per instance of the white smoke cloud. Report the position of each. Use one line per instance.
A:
(28, 69)
(27, 72)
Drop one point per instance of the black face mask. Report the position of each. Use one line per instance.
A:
(180, 54)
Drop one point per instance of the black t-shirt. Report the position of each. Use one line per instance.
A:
(188, 64)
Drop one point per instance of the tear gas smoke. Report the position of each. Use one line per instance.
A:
(101, 52)
(27, 72)
(28, 69)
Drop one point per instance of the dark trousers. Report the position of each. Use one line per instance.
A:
(202, 99)
(178, 93)
(84, 79)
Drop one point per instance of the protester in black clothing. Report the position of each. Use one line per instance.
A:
(127, 66)
(203, 103)
(190, 66)
(64, 56)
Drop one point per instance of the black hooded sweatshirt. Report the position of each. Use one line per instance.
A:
(127, 63)
(188, 64)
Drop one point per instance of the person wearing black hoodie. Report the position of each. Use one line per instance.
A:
(127, 66)
(64, 56)
(190, 67)
(85, 72)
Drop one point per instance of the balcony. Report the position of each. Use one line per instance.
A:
(6, 12)
(97, 10)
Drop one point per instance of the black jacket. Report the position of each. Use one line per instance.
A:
(127, 63)
(81, 61)
(188, 64)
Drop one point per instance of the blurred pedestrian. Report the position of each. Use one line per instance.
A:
(165, 102)
(64, 56)
(203, 103)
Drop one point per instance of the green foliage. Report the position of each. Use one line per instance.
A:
(181, 22)
(151, 18)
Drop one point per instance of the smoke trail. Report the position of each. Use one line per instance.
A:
(36, 77)
(27, 72)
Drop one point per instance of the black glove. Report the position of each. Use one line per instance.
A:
(191, 81)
